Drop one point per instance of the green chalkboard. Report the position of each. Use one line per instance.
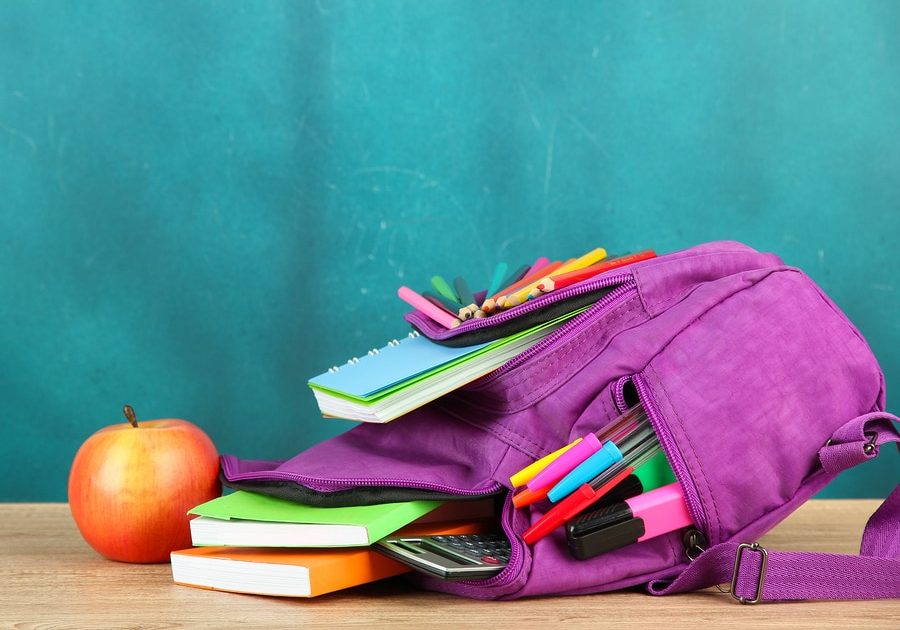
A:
(206, 203)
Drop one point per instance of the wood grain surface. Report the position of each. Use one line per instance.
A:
(51, 580)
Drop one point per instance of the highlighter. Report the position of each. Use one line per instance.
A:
(633, 520)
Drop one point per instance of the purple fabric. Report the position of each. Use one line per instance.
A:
(873, 574)
(750, 369)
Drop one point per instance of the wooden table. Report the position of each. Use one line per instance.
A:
(51, 579)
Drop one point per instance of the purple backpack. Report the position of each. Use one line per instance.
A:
(759, 388)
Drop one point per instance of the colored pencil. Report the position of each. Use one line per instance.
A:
(528, 280)
(427, 308)
(445, 289)
(521, 295)
(592, 257)
(441, 302)
(559, 281)
(492, 304)
(466, 298)
(489, 304)
(448, 305)
(543, 261)
(515, 276)
(463, 291)
(586, 260)
(497, 279)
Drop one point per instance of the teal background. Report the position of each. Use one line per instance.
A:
(206, 203)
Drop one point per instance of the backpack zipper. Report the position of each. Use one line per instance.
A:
(545, 344)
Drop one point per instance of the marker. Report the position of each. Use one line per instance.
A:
(588, 494)
(527, 474)
(527, 496)
(573, 504)
(650, 475)
(419, 303)
(635, 519)
(562, 280)
(590, 444)
(600, 461)
(440, 285)
(552, 473)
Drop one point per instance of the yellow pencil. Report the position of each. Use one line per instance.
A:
(592, 257)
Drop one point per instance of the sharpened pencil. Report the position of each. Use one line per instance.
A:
(586, 260)
(559, 281)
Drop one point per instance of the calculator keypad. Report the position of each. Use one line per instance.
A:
(480, 548)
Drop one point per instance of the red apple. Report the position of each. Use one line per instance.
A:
(132, 484)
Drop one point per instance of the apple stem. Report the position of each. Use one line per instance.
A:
(129, 413)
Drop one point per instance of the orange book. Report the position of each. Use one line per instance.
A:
(298, 572)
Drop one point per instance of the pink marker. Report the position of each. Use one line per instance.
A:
(560, 467)
(590, 444)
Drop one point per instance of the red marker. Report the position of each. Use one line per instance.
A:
(571, 506)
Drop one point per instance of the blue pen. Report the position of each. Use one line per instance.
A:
(600, 461)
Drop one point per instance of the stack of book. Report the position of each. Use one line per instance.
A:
(253, 543)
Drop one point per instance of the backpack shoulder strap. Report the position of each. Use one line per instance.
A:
(756, 574)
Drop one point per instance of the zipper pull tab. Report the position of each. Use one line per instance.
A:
(694, 543)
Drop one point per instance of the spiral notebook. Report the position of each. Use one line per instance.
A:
(391, 381)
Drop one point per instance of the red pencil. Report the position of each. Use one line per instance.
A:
(495, 300)
(565, 279)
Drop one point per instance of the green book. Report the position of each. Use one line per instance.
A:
(248, 519)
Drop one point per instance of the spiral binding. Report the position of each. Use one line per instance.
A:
(393, 343)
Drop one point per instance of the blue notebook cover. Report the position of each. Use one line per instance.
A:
(395, 363)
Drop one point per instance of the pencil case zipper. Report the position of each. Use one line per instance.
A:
(547, 344)
(434, 331)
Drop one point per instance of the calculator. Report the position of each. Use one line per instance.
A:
(467, 556)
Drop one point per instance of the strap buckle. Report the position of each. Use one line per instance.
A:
(761, 576)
